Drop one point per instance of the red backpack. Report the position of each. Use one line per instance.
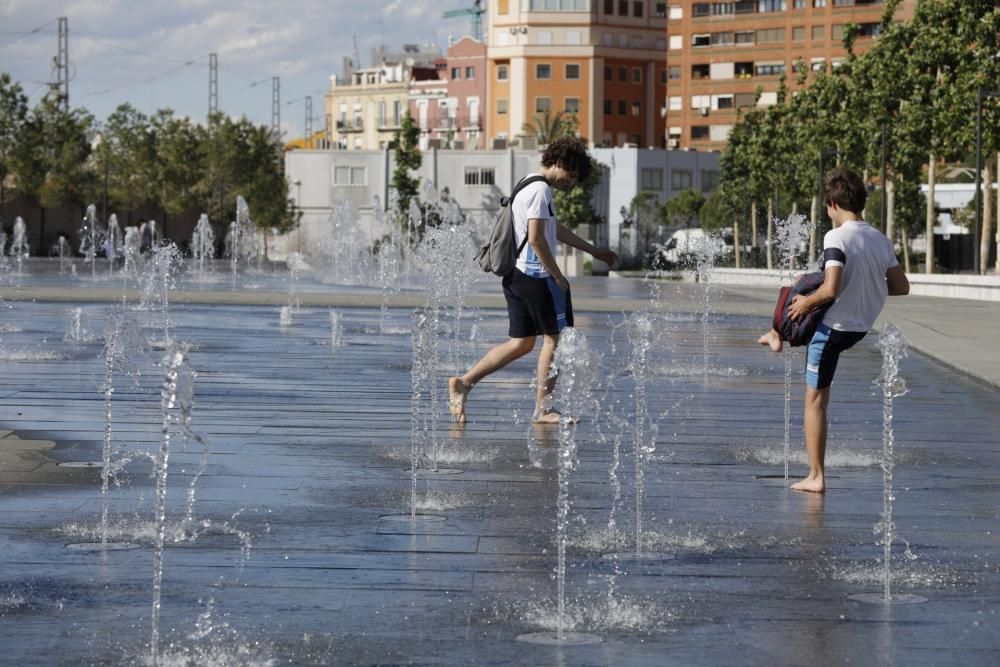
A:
(801, 332)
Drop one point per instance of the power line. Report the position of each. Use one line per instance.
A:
(144, 81)
(132, 51)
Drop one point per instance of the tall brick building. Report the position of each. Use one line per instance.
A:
(602, 60)
(720, 52)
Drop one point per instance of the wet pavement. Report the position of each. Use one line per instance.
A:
(310, 446)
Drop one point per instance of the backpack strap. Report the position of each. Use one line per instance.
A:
(523, 183)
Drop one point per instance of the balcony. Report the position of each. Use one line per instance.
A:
(345, 126)
(388, 124)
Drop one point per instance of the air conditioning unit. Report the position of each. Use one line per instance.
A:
(704, 111)
(500, 144)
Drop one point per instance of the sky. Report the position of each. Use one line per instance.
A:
(154, 54)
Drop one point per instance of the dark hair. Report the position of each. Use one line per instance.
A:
(845, 189)
(571, 154)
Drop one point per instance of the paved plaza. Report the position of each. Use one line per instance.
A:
(302, 557)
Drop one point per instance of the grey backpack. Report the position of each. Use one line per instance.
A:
(498, 256)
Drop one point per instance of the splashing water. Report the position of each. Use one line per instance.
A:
(176, 398)
(706, 249)
(203, 243)
(576, 367)
(420, 377)
(640, 334)
(19, 248)
(75, 333)
(893, 347)
(336, 332)
(91, 238)
(122, 338)
(113, 243)
(159, 278)
(791, 234)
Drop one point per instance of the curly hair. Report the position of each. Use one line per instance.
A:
(571, 154)
(845, 189)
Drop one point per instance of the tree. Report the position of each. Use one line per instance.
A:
(126, 154)
(13, 116)
(548, 126)
(408, 158)
(179, 163)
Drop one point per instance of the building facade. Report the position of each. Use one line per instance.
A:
(720, 52)
(600, 60)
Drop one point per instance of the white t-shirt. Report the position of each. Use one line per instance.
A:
(533, 201)
(865, 255)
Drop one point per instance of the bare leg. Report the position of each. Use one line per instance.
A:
(772, 340)
(544, 414)
(814, 426)
(494, 360)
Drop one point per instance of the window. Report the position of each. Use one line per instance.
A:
(702, 39)
(607, 107)
(349, 176)
(741, 100)
(869, 29)
(723, 38)
(674, 102)
(681, 179)
(798, 33)
(701, 9)
(397, 113)
(819, 3)
(470, 73)
(381, 113)
(818, 32)
(543, 104)
(622, 108)
(843, 3)
(701, 101)
(480, 176)
(623, 73)
(818, 65)
(676, 42)
(837, 31)
(502, 106)
(636, 108)
(770, 35)
(699, 72)
(572, 105)
(661, 10)
(651, 179)
(724, 102)
(609, 7)
(622, 7)
(637, 8)
(746, 7)
(709, 180)
(769, 69)
(609, 73)
(456, 73)
(676, 12)
(636, 75)
(557, 5)
(765, 6)
(723, 8)
(543, 71)
(503, 7)
(674, 72)
(743, 70)
(744, 37)
(573, 71)
(501, 72)
(799, 4)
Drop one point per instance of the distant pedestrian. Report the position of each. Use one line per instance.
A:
(859, 271)
(537, 293)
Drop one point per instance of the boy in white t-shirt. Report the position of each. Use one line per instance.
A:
(859, 271)
(537, 293)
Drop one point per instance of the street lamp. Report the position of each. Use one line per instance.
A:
(980, 94)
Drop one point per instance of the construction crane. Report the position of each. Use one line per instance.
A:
(476, 11)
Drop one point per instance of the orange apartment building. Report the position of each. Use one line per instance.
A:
(602, 60)
(720, 52)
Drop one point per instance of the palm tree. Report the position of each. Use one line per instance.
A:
(548, 126)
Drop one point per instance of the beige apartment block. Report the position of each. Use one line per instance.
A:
(601, 60)
(718, 53)
(365, 112)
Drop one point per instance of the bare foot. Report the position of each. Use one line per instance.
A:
(457, 393)
(810, 484)
(771, 339)
(545, 417)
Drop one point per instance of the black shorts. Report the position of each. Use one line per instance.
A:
(823, 354)
(536, 306)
